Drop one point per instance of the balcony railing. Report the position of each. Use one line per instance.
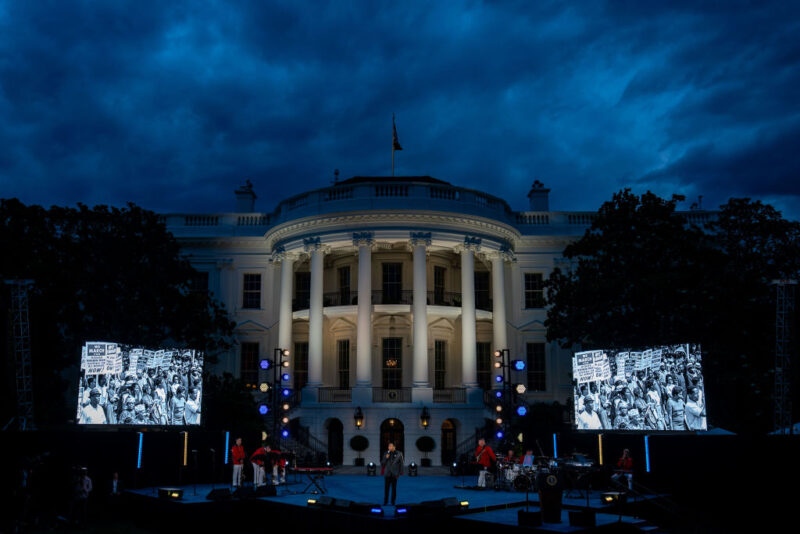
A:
(340, 298)
(335, 395)
(391, 395)
(444, 298)
(450, 395)
(392, 297)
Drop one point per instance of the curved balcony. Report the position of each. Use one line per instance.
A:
(350, 298)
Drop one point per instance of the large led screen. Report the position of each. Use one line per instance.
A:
(129, 385)
(659, 388)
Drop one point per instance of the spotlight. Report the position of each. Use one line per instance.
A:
(265, 364)
(285, 364)
(371, 469)
(521, 410)
(263, 409)
(264, 387)
(464, 505)
(519, 365)
(401, 510)
(498, 365)
(285, 352)
(520, 389)
(377, 510)
(285, 406)
(498, 378)
(499, 420)
(498, 394)
(498, 353)
(498, 408)
(412, 470)
(285, 377)
(285, 420)
(285, 433)
(286, 392)
(499, 434)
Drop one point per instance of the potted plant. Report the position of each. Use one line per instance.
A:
(359, 444)
(425, 444)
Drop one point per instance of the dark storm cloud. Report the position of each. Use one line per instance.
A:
(173, 105)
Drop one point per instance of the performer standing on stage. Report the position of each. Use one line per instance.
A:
(278, 466)
(257, 459)
(392, 463)
(484, 456)
(238, 463)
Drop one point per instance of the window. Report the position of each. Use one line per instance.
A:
(343, 351)
(438, 285)
(302, 291)
(439, 366)
(249, 364)
(344, 286)
(537, 378)
(484, 354)
(534, 290)
(482, 301)
(300, 365)
(392, 362)
(251, 295)
(198, 283)
(392, 283)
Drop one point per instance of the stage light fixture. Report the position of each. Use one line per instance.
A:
(499, 420)
(285, 420)
(519, 365)
(521, 410)
(401, 510)
(498, 378)
(263, 409)
(371, 469)
(498, 394)
(285, 433)
(265, 364)
(227, 445)
(264, 387)
(376, 510)
(286, 392)
(139, 459)
(285, 352)
(412, 469)
(499, 434)
(498, 408)
(285, 364)
(285, 377)
(464, 504)
(498, 365)
(520, 389)
(498, 353)
(311, 502)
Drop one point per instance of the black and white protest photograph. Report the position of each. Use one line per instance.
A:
(656, 389)
(125, 385)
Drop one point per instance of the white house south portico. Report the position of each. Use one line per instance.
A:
(391, 295)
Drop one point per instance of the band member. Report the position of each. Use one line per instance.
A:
(278, 466)
(624, 468)
(485, 457)
(392, 463)
(510, 458)
(238, 462)
(257, 459)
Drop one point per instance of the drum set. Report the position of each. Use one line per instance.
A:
(516, 477)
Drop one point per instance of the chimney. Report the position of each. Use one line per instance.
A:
(538, 197)
(245, 198)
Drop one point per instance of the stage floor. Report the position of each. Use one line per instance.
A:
(484, 505)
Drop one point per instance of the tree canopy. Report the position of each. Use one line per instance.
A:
(101, 273)
(643, 275)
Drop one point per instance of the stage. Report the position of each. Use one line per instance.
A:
(486, 506)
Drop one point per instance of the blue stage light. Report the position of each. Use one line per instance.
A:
(227, 446)
(285, 433)
(263, 409)
(376, 510)
(647, 452)
(265, 364)
(519, 365)
(139, 460)
(521, 410)
(498, 378)
(500, 434)
(555, 445)
(498, 394)
(401, 511)
(285, 377)
(286, 392)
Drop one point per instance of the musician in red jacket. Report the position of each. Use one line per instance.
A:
(258, 459)
(238, 462)
(485, 457)
(624, 468)
(278, 467)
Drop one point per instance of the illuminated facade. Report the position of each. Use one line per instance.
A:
(391, 295)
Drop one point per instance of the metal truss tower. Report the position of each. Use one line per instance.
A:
(784, 333)
(21, 343)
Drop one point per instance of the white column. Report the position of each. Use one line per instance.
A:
(285, 306)
(315, 319)
(420, 313)
(499, 332)
(469, 360)
(364, 323)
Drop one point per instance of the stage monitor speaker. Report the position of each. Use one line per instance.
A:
(581, 518)
(221, 494)
(245, 492)
(173, 494)
(529, 519)
(266, 491)
(342, 504)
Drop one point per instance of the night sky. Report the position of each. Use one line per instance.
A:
(173, 104)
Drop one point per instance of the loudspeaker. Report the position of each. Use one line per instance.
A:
(582, 518)
(175, 494)
(266, 491)
(222, 494)
(245, 492)
(529, 519)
